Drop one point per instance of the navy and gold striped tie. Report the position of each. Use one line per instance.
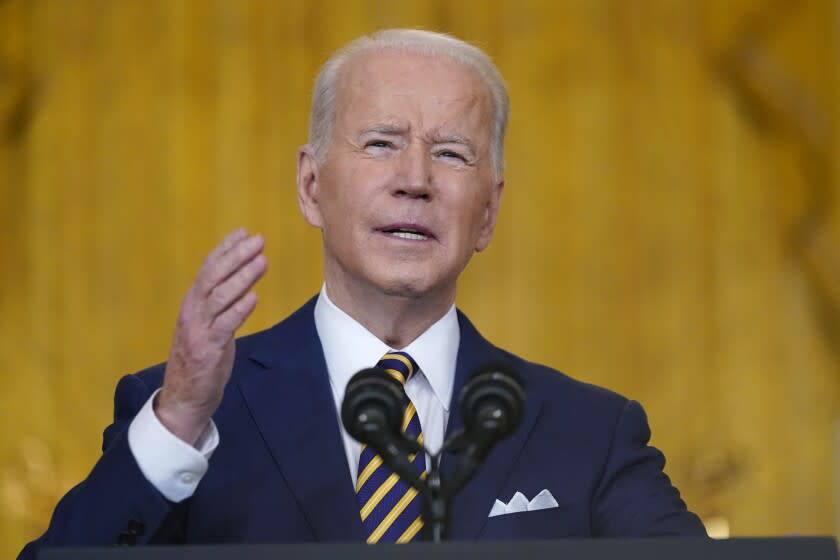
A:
(389, 507)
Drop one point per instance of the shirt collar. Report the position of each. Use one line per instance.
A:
(349, 347)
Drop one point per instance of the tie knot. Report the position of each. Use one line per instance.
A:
(398, 365)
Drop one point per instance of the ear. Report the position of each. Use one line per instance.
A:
(491, 211)
(307, 186)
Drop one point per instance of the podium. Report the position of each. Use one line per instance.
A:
(785, 548)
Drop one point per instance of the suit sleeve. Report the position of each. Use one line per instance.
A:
(172, 465)
(116, 497)
(635, 498)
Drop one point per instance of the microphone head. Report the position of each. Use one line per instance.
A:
(492, 400)
(372, 406)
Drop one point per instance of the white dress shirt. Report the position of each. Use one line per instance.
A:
(175, 468)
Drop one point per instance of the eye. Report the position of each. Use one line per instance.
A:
(449, 154)
(378, 144)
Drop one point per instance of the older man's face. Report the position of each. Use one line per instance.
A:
(407, 191)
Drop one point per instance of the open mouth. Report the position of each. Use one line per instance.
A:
(409, 233)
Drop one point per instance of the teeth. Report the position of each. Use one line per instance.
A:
(409, 235)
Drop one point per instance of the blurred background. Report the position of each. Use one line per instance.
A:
(670, 227)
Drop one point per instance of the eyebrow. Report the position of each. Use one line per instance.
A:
(451, 139)
(384, 128)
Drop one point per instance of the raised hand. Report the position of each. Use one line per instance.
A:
(201, 357)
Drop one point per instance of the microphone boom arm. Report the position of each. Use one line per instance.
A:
(490, 403)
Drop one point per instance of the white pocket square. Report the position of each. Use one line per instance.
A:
(543, 500)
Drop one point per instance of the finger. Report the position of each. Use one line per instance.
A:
(228, 292)
(229, 241)
(220, 268)
(226, 323)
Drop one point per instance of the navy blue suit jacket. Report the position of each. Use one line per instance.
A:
(280, 472)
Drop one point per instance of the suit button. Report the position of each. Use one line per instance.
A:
(187, 478)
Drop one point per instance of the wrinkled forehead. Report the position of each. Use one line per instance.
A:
(389, 84)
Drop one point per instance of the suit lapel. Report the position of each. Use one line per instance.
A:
(472, 504)
(293, 407)
(291, 402)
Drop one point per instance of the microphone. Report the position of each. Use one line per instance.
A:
(372, 413)
(491, 405)
(372, 408)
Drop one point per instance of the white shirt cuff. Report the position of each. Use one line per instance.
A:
(172, 465)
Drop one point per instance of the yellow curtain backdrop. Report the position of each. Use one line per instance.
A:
(670, 227)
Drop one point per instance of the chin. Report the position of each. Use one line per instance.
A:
(404, 288)
(406, 283)
(399, 279)
(414, 282)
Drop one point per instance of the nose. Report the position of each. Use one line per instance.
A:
(414, 173)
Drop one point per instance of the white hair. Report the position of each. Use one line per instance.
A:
(415, 41)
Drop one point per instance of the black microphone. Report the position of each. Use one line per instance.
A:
(372, 412)
(491, 405)
(372, 406)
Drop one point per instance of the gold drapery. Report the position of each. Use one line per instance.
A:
(670, 227)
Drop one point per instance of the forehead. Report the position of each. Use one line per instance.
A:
(418, 90)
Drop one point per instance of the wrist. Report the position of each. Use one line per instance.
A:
(187, 423)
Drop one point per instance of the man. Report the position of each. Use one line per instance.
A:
(239, 441)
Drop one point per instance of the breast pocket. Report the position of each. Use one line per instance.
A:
(549, 523)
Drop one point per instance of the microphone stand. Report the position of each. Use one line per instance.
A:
(435, 502)
(436, 492)
(493, 399)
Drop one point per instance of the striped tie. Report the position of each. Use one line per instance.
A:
(389, 507)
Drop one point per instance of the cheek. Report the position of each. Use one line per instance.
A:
(474, 213)
(336, 201)
(348, 189)
(465, 224)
